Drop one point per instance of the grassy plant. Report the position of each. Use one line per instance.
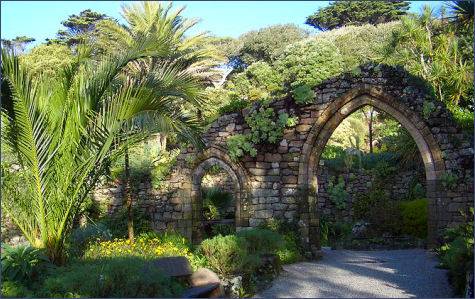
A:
(113, 277)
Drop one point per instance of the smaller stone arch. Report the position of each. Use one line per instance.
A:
(206, 160)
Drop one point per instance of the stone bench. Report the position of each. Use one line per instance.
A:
(205, 283)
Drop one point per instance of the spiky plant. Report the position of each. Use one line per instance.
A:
(193, 55)
(63, 133)
(461, 12)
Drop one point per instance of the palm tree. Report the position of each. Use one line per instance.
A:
(64, 133)
(462, 12)
(192, 55)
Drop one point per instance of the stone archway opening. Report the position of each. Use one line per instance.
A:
(216, 202)
(371, 189)
(329, 120)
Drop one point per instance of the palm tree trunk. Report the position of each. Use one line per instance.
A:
(128, 197)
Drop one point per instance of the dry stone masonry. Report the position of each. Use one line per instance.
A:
(282, 180)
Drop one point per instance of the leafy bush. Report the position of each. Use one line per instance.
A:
(23, 264)
(258, 81)
(223, 229)
(162, 166)
(215, 201)
(261, 241)
(414, 217)
(238, 145)
(117, 223)
(384, 217)
(303, 94)
(235, 105)
(337, 192)
(291, 251)
(147, 246)
(456, 254)
(82, 236)
(309, 63)
(449, 180)
(12, 289)
(115, 277)
(264, 128)
(364, 202)
(225, 254)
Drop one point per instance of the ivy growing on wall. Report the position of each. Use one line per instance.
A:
(338, 194)
(266, 127)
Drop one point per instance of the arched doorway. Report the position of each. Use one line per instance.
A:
(215, 169)
(326, 124)
(371, 185)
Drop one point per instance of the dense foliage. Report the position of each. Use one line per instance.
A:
(456, 254)
(342, 13)
(261, 45)
(119, 277)
(265, 128)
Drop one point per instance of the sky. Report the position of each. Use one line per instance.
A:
(41, 19)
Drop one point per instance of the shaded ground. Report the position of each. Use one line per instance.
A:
(344, 273)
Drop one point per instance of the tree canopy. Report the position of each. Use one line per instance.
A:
(342, 13)
(77, 27)
(17, 44)
(261, 45)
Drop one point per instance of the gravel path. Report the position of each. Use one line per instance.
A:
(344, 273)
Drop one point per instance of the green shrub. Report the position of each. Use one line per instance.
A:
(414, 217)
(225, 255)
(456, 254)
(238, 145)
(162, 166)
(261, 241)
(215, 201)
(303, 95)
(223, 229)
(114, 277)
(11, 289)
(23, 264)
(449, 180)
(337, 192)
(264, 126)
(82, 236)
(117, 223)
(309, 62)
(291, 251)
(235, 105)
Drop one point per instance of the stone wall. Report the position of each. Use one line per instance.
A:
(281, 180)
(359, 182)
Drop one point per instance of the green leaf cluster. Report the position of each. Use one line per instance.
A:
(337, 192)
(264, 128)
(342, 13)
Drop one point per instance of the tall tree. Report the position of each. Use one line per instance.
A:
(63, 133)
(342, 13)
(78, 27)
(18, 44)
(191, 55)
